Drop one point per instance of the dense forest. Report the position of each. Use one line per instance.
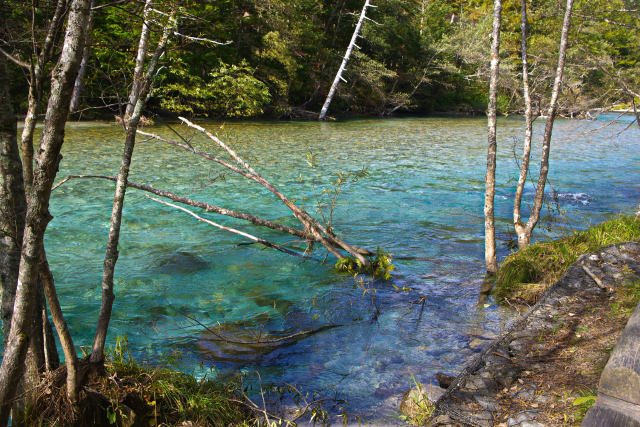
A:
(277, 59)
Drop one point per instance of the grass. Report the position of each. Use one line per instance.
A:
(627, 298)
(526, 273)
(165, 396)
(128, 393)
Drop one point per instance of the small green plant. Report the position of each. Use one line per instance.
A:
(380, 266)
(583, 403)
(420, 409)
(167, 396)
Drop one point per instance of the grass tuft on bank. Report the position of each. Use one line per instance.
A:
(129, 393)
(525, 274)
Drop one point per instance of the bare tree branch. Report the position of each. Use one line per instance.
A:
(235, 231)
(15, 60)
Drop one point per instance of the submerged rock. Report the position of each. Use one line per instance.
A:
(180, 262)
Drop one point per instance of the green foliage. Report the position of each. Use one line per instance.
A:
(227, 91)
(545, 262)
(380, 265)
(162, 395)
(584, 403)
(282, 55)
(420, 409)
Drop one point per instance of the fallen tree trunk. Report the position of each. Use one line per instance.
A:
(319, 233)
(207, 207)
(234, 231)
(345, 60)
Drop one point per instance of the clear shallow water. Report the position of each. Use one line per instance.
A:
(423, 197)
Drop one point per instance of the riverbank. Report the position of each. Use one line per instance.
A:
(544, 369)
(126, 392)
(524, 275)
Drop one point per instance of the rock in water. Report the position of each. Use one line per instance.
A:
(444, 380)
(180, 262)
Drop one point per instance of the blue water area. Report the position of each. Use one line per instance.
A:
(422, 197)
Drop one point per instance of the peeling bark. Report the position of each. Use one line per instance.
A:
(490, 177)
(37, 214)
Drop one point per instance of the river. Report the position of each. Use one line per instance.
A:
(422, 196)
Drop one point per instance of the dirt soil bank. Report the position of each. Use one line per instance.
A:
(545, 368)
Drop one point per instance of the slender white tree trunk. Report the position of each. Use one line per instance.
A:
(345, 60)
(490, 177)
(138, 71)
(551, 115)
(422, 9)
(37, 215)
(520, 228)
(142, 86)
(78, 87)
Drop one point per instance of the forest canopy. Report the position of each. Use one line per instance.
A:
(277, 58)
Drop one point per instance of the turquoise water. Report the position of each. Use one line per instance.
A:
(423, 197)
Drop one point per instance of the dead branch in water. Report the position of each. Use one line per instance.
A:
(207, 207)
(263, 341)
(234, 231)
(312, 227)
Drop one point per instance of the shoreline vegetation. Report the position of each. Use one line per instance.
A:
(545, 367)
(524, 275)
(270, 59)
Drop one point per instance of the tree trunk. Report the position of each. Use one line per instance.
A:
(138, 95)
(422, 10)
(37, 215)
(328, 239)
(523, 237)
(343, 65)
(12, 209)
(78, 86)
(256, 220)
(490, 178)
(13, 204)
(551, 115)
(36, 81)
(138, 71)
(70, 355)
